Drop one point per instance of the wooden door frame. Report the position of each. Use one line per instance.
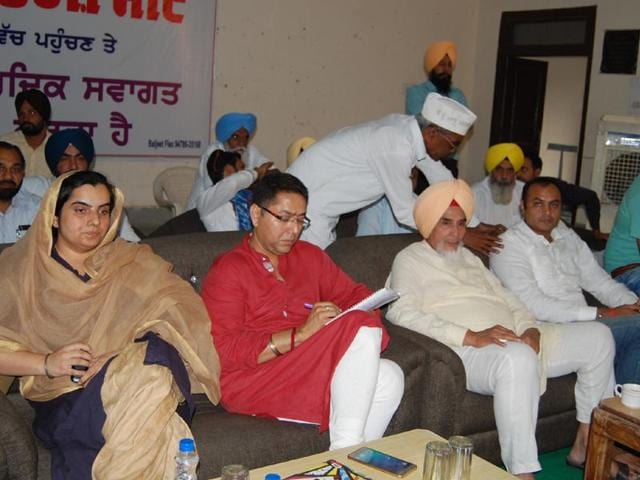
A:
(507, 49)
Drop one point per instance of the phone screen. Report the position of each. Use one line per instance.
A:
(382, 461)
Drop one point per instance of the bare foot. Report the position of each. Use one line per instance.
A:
(578, 453)
(526, 476)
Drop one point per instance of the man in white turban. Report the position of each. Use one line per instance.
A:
(354, 167)
(446, 293)
(498, 194)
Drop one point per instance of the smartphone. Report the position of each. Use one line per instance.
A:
(382, 461)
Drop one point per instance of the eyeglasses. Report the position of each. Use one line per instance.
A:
(304, 222)
(453, 146)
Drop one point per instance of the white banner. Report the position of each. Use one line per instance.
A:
(135, 74)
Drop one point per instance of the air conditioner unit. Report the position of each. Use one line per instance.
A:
(617, 160)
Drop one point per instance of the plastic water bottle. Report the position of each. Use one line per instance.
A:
(187, 460)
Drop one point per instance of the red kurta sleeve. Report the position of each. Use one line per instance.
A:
(225, 292)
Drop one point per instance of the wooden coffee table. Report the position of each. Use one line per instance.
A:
(409, 446)
(611, 422)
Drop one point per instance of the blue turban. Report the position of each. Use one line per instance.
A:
(230, 123)
(59, 141)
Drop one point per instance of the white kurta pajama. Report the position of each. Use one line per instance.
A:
(357, 165)
(252, 158)
(443, 301)
(492, 213)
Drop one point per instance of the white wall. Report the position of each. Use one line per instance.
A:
(308, 67)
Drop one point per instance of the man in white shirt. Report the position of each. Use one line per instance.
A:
(225, 205)
(18, 207)
(34, 112)
(234, 132)
(357, 165)
(498, 194)
(548, 266)
(447, 294)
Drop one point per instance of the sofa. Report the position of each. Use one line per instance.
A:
(435, 396)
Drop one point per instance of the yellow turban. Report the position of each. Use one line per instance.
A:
(436, 52)
(297, 147)
(496, 154)
(434, 201)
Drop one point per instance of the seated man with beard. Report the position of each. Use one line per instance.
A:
(447, 294)
(498, 195)
(17, 206)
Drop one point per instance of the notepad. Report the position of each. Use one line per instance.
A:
(376, 300)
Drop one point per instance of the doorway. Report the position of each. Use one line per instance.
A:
(542, 84)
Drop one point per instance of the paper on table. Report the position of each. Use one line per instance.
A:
(375, 300)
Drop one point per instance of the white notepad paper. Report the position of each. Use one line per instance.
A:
(376, 300)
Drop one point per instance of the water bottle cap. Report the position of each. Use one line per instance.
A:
(187, 445)
(272, 476)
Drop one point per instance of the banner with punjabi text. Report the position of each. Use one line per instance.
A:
(135, 74)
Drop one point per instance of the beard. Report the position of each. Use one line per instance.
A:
(31, 129)
(501, 192)
(8, 190)
(453, 258)
(442, 82)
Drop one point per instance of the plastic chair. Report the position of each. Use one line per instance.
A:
(172, 187)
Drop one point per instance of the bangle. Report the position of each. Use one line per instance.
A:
(46, 370)
(293, 339)
(273, 348)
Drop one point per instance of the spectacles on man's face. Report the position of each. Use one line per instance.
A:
(454, 147)
(302, 222)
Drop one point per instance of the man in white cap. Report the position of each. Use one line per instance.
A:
(447, 294)
(356, 166)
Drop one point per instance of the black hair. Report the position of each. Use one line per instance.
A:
(266, 189)
(532, 154)
(217, 161)
(543, 182)
(37, 100)
(79, 179)
(13, 148)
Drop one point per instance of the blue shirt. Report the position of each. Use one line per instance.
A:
(417, 94)
(378, 219)
(18, 217)
(622, 246)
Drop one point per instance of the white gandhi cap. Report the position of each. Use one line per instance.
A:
(448, 114)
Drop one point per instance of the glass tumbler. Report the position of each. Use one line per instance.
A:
(437, 461)
(461, 452)
(235, 472)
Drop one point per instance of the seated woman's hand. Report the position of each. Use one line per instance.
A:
(61, 361)
(95, 366)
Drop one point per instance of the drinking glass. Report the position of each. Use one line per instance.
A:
(235, 472)
(437, 461)
(461, 452)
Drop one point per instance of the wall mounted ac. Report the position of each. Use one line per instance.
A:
(617, 160)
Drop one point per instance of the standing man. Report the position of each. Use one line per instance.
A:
(622, 254)
(498, 195)
(34, 112)
(439, 63)
(357, 165)
(18, 207)
(270, 300)
(548, 267)
(234, 132)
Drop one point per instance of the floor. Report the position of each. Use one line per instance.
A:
(555, 468)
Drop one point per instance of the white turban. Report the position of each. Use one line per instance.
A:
(448, 114)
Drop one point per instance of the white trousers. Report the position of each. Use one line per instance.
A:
(512, 375)
(365, 392)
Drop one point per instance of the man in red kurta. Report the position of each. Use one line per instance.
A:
(269, 300)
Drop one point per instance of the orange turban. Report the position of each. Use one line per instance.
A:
(297, 147)
(437, 51)
(501, 151)
(434, 201)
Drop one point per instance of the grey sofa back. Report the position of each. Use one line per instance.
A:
(365, 259)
